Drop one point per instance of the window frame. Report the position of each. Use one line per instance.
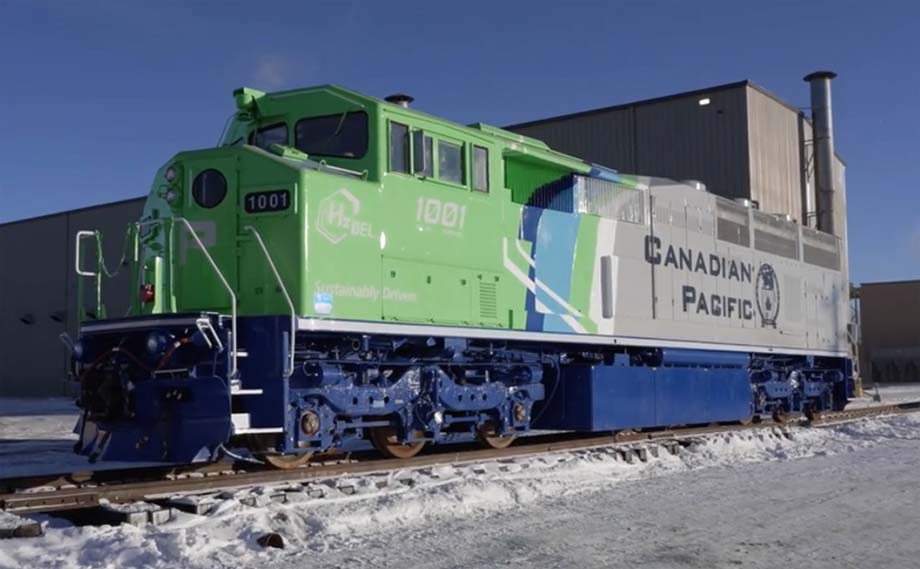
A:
(473, 149)
(367, 134)
(287, 134)
(426, 138)
(462, 148)
(408, 150)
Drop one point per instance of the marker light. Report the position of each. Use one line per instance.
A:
(704, 101)
(147, 295)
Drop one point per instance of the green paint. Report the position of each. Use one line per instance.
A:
(382, 245)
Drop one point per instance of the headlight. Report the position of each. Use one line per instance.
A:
(171, 174)
(171, 196)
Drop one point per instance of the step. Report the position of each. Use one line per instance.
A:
(241, 426)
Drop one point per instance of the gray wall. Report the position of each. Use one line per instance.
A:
(38, 284)
(673, 137)
(744, 143)
(776, 155)
(679, 139)
(890, 335)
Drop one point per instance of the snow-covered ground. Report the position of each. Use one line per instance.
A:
(841, 496)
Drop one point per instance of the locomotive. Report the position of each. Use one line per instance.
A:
(344, 270)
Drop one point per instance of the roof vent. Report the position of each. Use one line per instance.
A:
(753, 204)
(400, 99)
(696, 185)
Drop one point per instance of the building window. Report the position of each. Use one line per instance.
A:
(399, 148)
(342, 135)
(450, 162)
(480, 169)
(265, 137)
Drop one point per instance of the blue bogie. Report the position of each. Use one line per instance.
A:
(162, 391)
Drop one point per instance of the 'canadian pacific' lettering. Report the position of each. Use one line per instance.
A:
(696, 261)
(716, 304)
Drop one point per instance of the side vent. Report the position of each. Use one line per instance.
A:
(488, 300)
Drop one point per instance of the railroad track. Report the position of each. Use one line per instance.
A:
(68, 492)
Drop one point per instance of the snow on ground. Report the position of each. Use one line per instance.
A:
(841, 496)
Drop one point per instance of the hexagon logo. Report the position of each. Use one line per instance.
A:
(337, 217)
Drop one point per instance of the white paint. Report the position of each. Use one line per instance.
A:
(337, 217)
(362, 326)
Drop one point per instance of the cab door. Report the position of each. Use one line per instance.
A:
(209, 206)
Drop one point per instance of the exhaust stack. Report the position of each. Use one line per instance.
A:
(400, 99)
(823, 125)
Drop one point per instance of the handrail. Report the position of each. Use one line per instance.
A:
(220, 275)
(169, 247)
(290, 371)
(78, 266)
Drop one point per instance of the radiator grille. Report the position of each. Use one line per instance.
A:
(488, 301)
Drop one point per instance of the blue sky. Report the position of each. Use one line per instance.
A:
(96, 96)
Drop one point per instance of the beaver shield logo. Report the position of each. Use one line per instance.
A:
(767, 290)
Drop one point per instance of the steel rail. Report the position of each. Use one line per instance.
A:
(71, 491)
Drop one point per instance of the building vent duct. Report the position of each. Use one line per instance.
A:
(400, 99)
(823, 125)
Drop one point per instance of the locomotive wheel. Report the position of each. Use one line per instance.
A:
(387, 443)
(779, 416)
(287, 461)
(489, 439)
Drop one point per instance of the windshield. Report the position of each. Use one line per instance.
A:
(340, 135)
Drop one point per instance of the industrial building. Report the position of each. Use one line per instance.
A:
(890, 325)
(738, 139)
(38, 297)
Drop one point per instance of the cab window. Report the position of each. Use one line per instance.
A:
(399, 148)
(480, 169)
(266, 136)
(342, 135)
(450, 162)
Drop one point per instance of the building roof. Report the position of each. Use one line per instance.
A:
(694, 93)
(69, 211)
(892, 283)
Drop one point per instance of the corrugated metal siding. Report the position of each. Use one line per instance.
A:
(682, 140)
(775, 155)
(39, 281)
(840, 199)
(675, 138)
(33, 285)
(890, 335)
(602, 138)
(807, 154)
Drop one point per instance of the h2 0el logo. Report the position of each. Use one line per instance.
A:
(338, 217)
